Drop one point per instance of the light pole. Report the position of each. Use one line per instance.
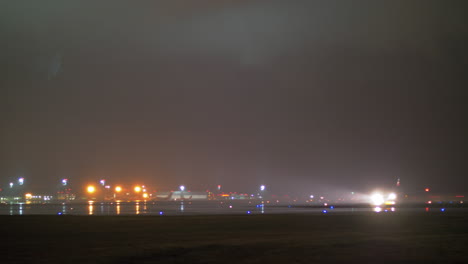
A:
(117, 190)
(182, 188)
(262, 189)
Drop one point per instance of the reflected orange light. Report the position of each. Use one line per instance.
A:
(118, 189)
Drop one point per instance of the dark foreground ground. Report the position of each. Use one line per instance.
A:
(327, 238)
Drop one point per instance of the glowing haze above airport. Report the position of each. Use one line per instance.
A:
(296, 95)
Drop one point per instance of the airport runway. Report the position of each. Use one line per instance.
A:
(168, 208)
(279, 235)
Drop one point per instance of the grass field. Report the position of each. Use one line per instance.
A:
(330, 238)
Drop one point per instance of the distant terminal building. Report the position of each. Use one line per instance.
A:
(65, 195)
(163, 195)
(38, 198)
(64, 191)
(185, 195)
(232, 196)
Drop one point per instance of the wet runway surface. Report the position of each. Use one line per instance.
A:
(231, 232)
(162, 208)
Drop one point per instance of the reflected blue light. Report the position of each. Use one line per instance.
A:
(332, 207)
(59, 213)
(442, 210)
(324, 211)
(161, 213)
(248, 212)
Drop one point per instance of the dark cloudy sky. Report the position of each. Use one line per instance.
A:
(292, 94)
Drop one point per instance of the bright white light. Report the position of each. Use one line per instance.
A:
(262, 187)
(11, 185)
(392, 196)
(21, 181)
(182, 188)
(64, 182)
(311, 197)
(377, 209)
(103, 182)
(377, 199)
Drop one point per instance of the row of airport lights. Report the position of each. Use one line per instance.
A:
(91, 189)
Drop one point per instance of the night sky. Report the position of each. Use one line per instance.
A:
(297, 95)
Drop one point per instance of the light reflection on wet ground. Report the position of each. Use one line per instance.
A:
(188, 208)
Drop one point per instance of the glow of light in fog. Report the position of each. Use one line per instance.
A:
(377, 199)
(262, 187)
(182, 188)
(90, 189)
(137, 189)
(118, 189)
